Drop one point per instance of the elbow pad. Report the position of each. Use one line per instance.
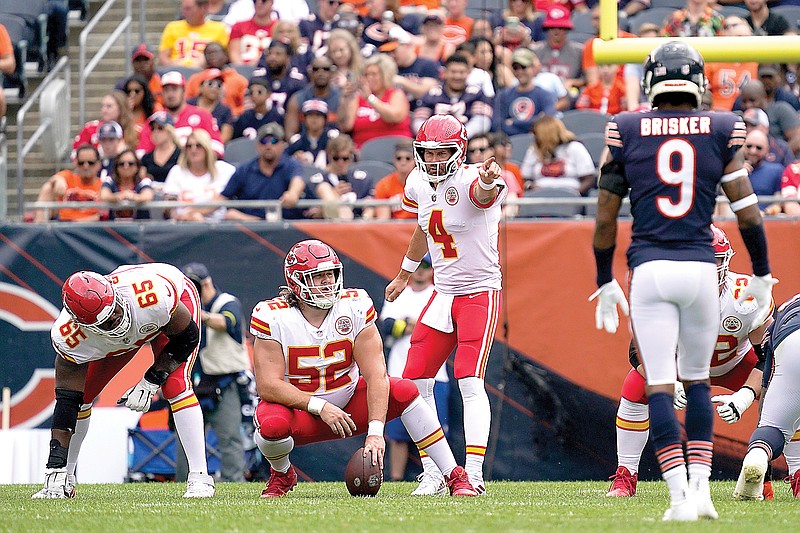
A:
(612, 179)
(181, 345)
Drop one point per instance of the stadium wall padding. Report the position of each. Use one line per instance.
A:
(553, 377)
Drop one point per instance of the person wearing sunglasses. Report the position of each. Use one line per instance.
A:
(320, 72)
(517, 108)
(317, 26)
(141, 102)
(272, 175)
(391, 187)
(308, 146)
(260, 114)
(79, 185)
(127, 184)
(209, 98)
(144, 65)
(765, 176)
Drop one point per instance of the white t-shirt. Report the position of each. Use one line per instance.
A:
(190, 188)
(571, 162)
(481, 79)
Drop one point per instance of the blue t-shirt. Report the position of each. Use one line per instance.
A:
(248, 122)
(515, 112)
(249, 183)
(143, 184)
(221, 113)
(766, 180)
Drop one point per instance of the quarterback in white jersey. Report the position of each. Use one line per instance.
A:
(104, 323)
(311, 344)
(458, 214)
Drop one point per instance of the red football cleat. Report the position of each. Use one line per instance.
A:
(767, 492)
(458, 483)
(794, 481)
(280, 484)
(623, 484)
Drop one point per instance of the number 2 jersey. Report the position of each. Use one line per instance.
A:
(151, 292)
(319, 360)
(462, 233)
(673, 162)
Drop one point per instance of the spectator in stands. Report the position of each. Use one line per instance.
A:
(345, 55)
(477, 77)
(315, 29)
(502, 156)
(764, 22)
(375, 108)
(391, 187)
(57, 12)
(457, 25)
(263, 111)
(587, 62)
(278, 71)
(319, 73)
(291, 10)
(166, 148)
(434, 46)
(308, 146)
(79, 185)
(790, 183)
(186, 117)
(273, 175)
(384, 20)
(557, 53)
(606, 95)
(783, 120)
(415, 75)
(302, 55)
(109, 135)
(234, 84)
(183, 41)
(724, 79)
(8, 66)
(468, 104)
(143, 61)
(141, 102)
(633, 72)
(779, 151)
(518, 24)
(764, 176)
(349, 184)
(479, 149)
(697, 19)
(250, 38)
(771, 75)
(486, 60)
(557, 159)
(211, 88)
(113, 108)
(517, 108)
(127, 183)
(217, 10)
(198, 177)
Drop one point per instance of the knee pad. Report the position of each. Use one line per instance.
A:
(403, 391)
(273, 421)
(471, 387)
(633, 388)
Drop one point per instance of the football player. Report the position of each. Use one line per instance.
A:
(779, 421)
(672, 159)
(311, 344)
(737, 365)
(458, 210)
(104, 323)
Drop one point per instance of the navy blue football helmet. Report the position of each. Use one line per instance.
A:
(674, 67)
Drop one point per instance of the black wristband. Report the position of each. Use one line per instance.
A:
(58, 455)
(756, 242)
(604, 260)
(156, 377)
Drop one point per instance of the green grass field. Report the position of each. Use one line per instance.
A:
(540, 506)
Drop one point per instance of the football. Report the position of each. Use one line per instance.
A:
(361, 477)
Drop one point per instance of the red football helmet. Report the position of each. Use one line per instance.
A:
(305, 259)
(91, 300)
(723, 252)
(440, 131)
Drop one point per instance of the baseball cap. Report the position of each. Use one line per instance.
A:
(557, 17)
(162, 118)
(142, 50)
(173, 77)
(522, 56)
(197, 272)
(208, 74)
(768, 69)
(109, 130)
(272, 129)
(755, 117)
(433, 18)
(262, 82)
(315, 106)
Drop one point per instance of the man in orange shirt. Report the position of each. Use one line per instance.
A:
(725, 79)
(391, 187)
(8, 65)
(457, 25)
(80, 185)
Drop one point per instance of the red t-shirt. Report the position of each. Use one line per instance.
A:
(190, 118)
(369, 125)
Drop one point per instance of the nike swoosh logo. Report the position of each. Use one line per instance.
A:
(473, 295)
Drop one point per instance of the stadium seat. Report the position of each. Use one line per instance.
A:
(34, 14)
(245, 70)
(656, 15)
(519, 145)
(551, 210)
(581, 37)
(240, 150)
(594, 143)
(187, 72)
(380, 149)
(20, 34)
(734, 11)
(672, 4)
(374, 170)
(580, 121)
(591, 209)
(790, 13)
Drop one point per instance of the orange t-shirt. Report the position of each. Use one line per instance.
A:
(429, 4)
(5, 42)
(456, 31)
(604, 99)
(156, 88)
(513, 169)
(78, 191)
(234, 86)
(726, 79)
(389, 187)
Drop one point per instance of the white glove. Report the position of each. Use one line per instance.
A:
(733, 406)
(139, 397)
(605, 314)
(679, 400)
(56, 485)
(760, 288)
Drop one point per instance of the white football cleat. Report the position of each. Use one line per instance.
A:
(476, 478)
(58, 485)
(431, 484)
(706, 509)
(685, 511)
(199, 486)
(750, 485)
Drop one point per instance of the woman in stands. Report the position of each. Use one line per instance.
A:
(141, 102)
(113, 106)
(375, 108)
(126, 183)
(165, 155)
(198, 177)
(557, 159)
(485, 59)
(345, 55)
